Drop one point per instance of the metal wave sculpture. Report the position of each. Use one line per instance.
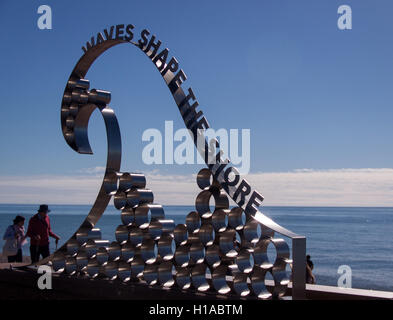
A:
(221, 251)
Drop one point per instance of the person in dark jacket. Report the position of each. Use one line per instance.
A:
(39, 231)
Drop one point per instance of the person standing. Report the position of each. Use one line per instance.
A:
(310, 278)
(39, 231)
(16, 232)
(309, 262)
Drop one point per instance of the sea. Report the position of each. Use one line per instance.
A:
(359, 238)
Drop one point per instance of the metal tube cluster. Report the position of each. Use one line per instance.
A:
(219, 249)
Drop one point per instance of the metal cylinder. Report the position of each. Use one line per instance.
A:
(84, 234)
(213, 257)
(252, 232)
(282, 252)
(138, 180)
(193, 221)
(70, 265)
(121, 234)
(132, 199)
(127, 216)
(180, 234)
(167, 225)
(70, 122)
(245, 260)
(120, 200)
(58, 262)
(93, 268)
(199, 279)
(205, 180)
(158, 227)
(67, 98)
(166, 247)
(137, 267)
(69, 136)
(65, 111)
(202, 202)
(258, 283)
(261, 258)
(99, 97)
(219, 280)
(78, 83)
(111, 270)
(81, 236)
(236, 218)
(220, 219)
(155, 230)
(206, 234)
(94, 234)
(149, 251)
(278, 269)
(193, 237)
(165, 274)
(81, 260)
(127, 251)
(281, 281)
(142, 195)
(226, 242)
(124, 271)
(241, 284)
(150, 274)
(146, 213)
(72, 247)
(130, 181)
(136, 236)
(183, 278)
(114, 251)
(182, 256)
(102, 255)
(125, 182)
(92, 246)
(197, 253)
(145, 196)
(90, 249)
(79, 96)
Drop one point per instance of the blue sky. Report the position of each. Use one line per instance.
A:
(314, 97)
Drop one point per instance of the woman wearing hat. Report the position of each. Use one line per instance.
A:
(16, 232)
(39, 231)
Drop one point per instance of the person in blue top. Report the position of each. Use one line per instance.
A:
(16, 231)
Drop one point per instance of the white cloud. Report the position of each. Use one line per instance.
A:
(303, 187)
(93, 170)
(333, 187)
(52, 189)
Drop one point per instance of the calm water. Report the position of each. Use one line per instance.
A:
(361, 238)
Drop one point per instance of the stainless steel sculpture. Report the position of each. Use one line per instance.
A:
(222, 250)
